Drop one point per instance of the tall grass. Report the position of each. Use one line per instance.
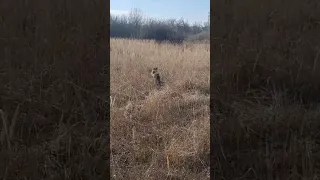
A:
(266, 89)
(159, 134)
(53, 86)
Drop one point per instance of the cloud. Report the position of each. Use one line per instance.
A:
(118, 12)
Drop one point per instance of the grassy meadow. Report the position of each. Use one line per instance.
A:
(159, 134)
(266, 90)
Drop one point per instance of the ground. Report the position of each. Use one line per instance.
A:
(162, 133)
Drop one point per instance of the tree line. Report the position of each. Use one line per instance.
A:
(136, 26)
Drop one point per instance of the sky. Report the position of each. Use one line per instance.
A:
(190, 10)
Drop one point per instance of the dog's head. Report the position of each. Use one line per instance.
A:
(154, 71)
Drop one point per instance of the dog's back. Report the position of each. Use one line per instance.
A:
(155, 74)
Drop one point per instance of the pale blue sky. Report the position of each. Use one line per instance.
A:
(190, 10)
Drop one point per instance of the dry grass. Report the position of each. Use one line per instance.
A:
(53, 90)
(266, 90)
(159, 134)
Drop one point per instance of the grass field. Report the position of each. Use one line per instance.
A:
(53, 86)
(266, 90)
(159, 134)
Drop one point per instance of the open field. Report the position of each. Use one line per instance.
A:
(266, 90)
(162, 134)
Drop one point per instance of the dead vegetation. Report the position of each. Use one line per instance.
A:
(266, 90)
(53, 92)
(159, 134)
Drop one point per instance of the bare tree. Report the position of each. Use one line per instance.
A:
(136, 18)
